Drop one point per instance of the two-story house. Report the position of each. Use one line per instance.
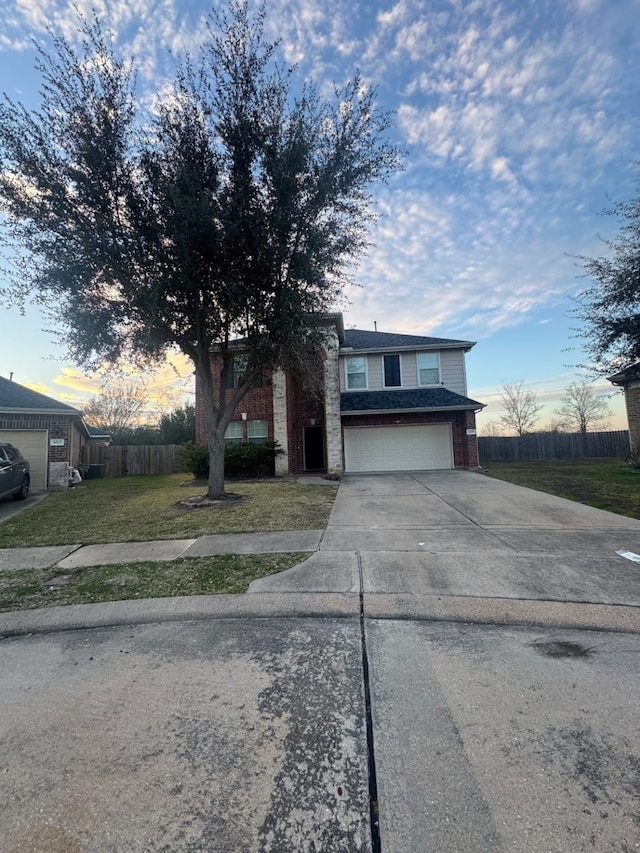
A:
(391, 402)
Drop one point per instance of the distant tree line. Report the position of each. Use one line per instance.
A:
(176, 427)
(118, 409)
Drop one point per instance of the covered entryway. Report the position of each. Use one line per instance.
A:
(413, 447)
(32, 443)
(313, 448)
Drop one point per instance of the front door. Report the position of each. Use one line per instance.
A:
(313, 445)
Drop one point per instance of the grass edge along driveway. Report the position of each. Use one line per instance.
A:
(607, 484)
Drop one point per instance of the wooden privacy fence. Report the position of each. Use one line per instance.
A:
(550, 445)
(133, 459)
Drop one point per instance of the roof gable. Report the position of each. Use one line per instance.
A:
(360, 339)
(15, 397)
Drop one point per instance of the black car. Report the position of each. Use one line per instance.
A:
(14, 473)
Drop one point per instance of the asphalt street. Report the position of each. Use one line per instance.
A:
(455, 668)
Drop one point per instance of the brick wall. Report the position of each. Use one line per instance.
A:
(302, 411)
(632, 401)
(58, 426)
(465, 449)
(257, 403)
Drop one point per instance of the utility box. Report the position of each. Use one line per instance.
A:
(94, 472)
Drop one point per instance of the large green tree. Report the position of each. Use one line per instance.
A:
(233, 208)
(178, 426)
(610, 307)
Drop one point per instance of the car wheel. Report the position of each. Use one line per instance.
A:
(23, 494)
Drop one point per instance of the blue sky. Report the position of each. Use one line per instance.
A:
(520, 120)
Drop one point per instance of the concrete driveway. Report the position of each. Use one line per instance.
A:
(9, 507)
(405, 539)
(425, 681)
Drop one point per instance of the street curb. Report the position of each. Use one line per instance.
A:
(620, 618)
(78, 617)
(419, 608)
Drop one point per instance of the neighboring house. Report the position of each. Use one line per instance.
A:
(391, 403)
(629, 380)
(51, 435)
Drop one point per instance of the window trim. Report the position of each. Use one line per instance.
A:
(439, 366)
(347, 374)
(398, 355)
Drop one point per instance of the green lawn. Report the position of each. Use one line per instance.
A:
(604, 483)
(28, 589)
(137, 509)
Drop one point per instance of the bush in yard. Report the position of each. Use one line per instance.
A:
(195, 460)
(240, 460)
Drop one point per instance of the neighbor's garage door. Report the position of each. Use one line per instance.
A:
(32, 443)
(398, 448)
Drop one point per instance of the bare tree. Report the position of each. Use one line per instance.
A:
(116, 408)
(520, 406)
(491, 429)
(582, 409)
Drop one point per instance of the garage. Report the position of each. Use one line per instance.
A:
(33, 446)
(422, 447)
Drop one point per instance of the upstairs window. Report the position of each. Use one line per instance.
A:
(235, 371)
(356, 373)
(428, 368)
(392, 375)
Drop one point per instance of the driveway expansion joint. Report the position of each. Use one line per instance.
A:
(374, 811)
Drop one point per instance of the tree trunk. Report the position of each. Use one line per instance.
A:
(215, 432)
(216, 466)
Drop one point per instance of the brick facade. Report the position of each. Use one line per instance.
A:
(257, 404)
(632, 402)
(58, 426)
(302, 411)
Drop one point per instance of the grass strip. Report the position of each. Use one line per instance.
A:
(28, 589)
(138, 509)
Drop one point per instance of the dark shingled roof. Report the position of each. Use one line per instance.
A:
(16, 397)
(361, 339)
(96, 432)
(630, 373)
(419, 398)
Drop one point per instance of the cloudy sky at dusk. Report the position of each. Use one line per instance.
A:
(520, 119)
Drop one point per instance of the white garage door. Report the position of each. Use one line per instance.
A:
(32, 443)
(398, 448)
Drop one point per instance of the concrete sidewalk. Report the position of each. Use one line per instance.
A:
(77, 556)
